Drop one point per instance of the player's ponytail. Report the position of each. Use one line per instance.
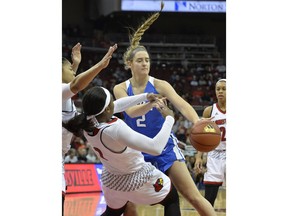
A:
(76, 125)
(136, 37)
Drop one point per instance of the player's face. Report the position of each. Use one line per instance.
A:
(67, 73)
(221, 91)
(141, 63)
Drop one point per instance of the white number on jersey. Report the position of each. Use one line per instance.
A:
(140, 121)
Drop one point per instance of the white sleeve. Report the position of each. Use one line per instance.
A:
(66, 91)
(140, 142)
(124, 103)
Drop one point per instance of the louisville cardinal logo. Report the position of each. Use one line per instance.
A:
(158, 184)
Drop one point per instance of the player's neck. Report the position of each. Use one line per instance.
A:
(222, 106)
(138, 82)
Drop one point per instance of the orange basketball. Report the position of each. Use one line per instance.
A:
(205, 135)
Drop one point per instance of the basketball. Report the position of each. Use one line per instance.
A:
(205, 135)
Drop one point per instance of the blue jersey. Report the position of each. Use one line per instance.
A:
(149, 125)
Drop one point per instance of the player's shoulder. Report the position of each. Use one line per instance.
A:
(114, 125)
(66, 91)
(161, 84)
(121, 85)
(160, 81)
(209, 108)
(65, 85)
(207, 111)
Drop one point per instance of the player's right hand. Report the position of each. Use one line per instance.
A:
(162, 107)
(198, 165)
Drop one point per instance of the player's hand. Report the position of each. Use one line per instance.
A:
(210, 118)
(106, 59)
(198, 165)
(76, 54)
(203, 119)
(161, 106)
(151, 97)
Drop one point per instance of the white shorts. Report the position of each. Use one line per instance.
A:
(216, 167)
(145, 195)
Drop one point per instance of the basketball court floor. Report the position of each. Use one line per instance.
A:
(93, 204)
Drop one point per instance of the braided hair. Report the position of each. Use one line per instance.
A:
(136, 37)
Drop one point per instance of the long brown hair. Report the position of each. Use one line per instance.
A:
(136, 37)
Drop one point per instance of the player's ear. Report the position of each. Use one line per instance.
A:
(107, 109)
(129, 63)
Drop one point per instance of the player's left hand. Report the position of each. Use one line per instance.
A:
(76, 54)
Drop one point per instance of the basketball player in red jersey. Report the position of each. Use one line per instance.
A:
(216, 159)
(71, 85)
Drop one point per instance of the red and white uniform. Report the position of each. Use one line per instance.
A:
(216, 159)
(126, 176)
(68, 111)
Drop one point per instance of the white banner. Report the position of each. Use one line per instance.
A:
(174, 6)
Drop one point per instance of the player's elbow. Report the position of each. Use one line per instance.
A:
(74, 87)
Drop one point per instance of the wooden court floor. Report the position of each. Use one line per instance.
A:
(93, 204)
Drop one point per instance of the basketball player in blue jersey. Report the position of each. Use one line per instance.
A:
(216, 159)
(146, 120)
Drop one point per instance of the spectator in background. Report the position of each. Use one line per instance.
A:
(194, 81)
(71, 156)
(221, 67)
(119, 75)
(91, 156)
(187, 124)
(181, 132)
(202, 81)
(198, 93)
(174, 77)
(77, 142)
(97, 81)
(177, 122)
(207, 97)
(82, 154)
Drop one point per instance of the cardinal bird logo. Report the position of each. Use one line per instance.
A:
(158, 184)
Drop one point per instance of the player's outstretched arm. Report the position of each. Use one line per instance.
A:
(82, 80)
(124, 103)
(140, 142)
(165, 89)
(119, 91)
